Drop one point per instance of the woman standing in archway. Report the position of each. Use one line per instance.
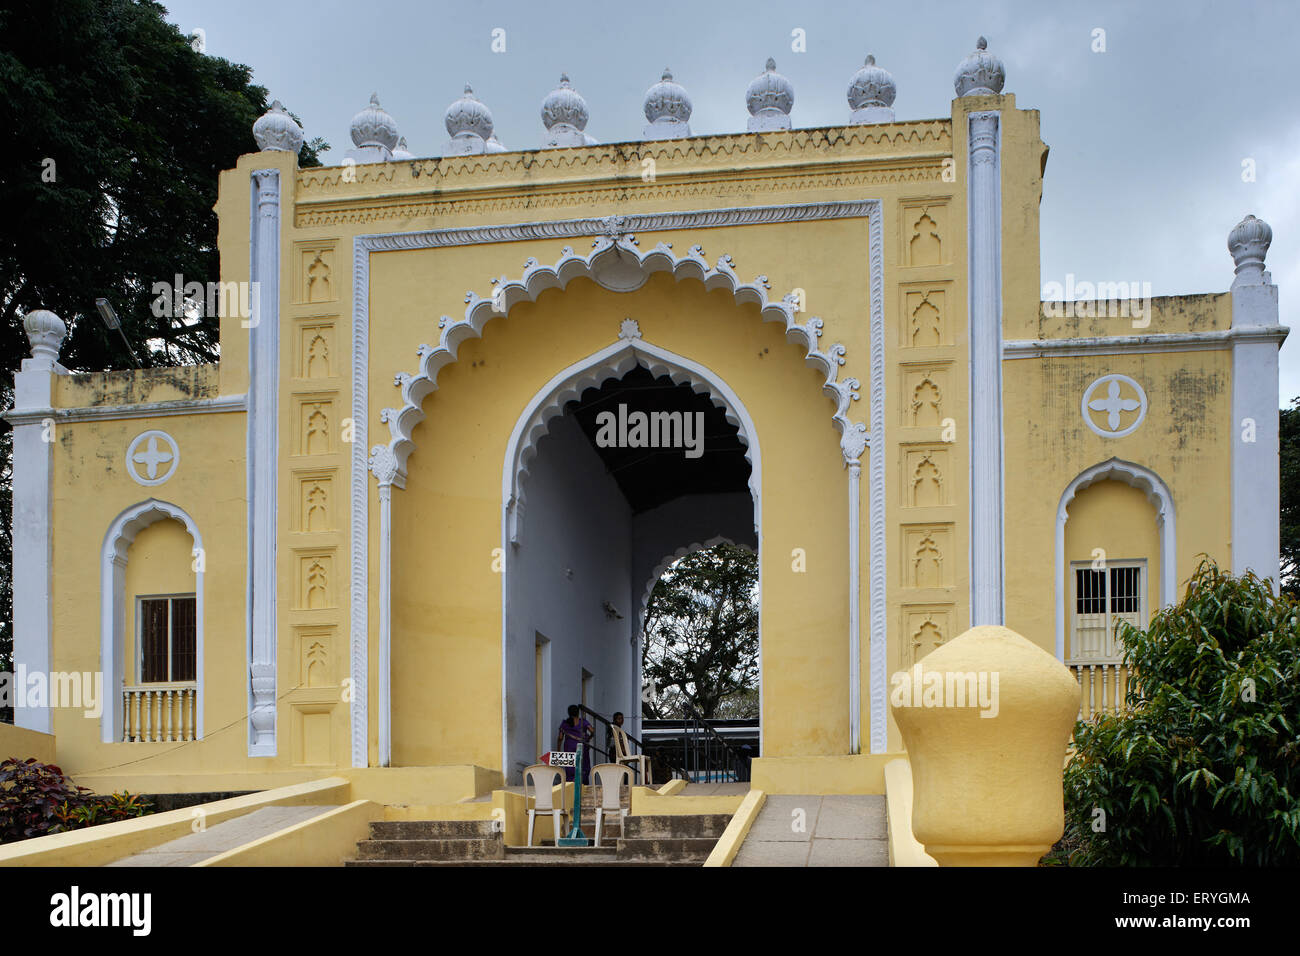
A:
(574, 730)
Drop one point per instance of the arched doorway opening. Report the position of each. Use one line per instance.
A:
(619, 463)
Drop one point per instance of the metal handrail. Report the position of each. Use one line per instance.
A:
(584, 709)
(732, 765)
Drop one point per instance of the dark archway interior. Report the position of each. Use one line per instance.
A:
(649, 477)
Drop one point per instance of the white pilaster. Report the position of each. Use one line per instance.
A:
(33, 462)
(263, 411)
(1255, 479)
(385, 714)
(984, 228)
(855, 623)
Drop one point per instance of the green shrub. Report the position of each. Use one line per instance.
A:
(37, 799)
(1204, 767)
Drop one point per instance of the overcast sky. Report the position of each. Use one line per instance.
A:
(1148, 138)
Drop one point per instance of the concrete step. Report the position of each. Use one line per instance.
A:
(670, 848)
(433, 849)
(433, 830)
(693, 825)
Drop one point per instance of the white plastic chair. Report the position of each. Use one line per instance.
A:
(640, 761)
(543, 778)
(611, 778)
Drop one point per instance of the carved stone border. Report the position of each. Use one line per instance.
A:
(616, 237)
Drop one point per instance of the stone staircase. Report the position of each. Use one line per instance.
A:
(650, 841)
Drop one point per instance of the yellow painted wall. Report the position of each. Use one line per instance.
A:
(1185, 440)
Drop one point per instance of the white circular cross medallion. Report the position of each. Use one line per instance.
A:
(1109, 402)
(152, 457)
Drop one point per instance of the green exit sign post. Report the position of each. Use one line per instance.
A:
(565, 758)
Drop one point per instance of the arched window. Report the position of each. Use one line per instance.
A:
(151, 645)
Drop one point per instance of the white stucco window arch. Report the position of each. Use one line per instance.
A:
(112, 590)
(1161, 498)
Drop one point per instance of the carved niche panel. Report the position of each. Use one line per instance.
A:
(315, 660)
(316, 280)
(927, 556)
(925, 628)
(925, 392)
(924, 233)
(315, 580)
(315, 502)
(924, 321)
(316, 424)
(316, 357)
(926, 476)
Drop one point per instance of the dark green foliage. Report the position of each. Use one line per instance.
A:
(37, 799)
(1204, 767)
(1289, 455)
(113, 131)
(701, 635)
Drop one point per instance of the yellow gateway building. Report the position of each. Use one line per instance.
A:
(385, 542)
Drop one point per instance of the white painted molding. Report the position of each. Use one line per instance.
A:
(1254, 432)
(33, 544)
(263, 459)
(618, 226)
(104, 413)
(984, 237)
(1131, 344)
(143, 455)
(1157, 492)
(112, 604)
(1089, 403)
(875, 500)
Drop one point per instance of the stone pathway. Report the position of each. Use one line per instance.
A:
(794, 830)
(221, 837)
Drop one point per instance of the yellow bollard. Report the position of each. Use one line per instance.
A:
(986, 719)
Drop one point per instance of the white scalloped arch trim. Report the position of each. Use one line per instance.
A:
(608, 257)
(613, 362)
(671, 559)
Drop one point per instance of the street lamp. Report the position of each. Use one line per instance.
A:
(111, 322)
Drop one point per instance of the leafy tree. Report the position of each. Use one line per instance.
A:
(113, 130)
(1203, 769)
(1289, 453)
(701, 635)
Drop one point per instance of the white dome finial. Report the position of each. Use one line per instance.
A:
(1248, 242)
(871, 94)
(469, 124)
(769, 98)
(46, 332)
(981, 73)
(668, 108)
(277, 130)
(374, 127)
(564, 114)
